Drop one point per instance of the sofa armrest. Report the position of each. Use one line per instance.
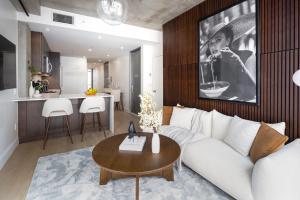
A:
(277, 176)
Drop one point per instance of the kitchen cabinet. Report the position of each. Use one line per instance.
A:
(31, 124)
(39, 50)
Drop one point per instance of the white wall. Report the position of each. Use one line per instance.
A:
(152, 72)
(8, 109)
(74, 75)
(24, 57)
(119, 72)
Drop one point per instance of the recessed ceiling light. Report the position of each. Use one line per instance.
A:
(121, 47)
(107, 55)
(100, 60)
(90, 49)
(47, 29)
(99, 37)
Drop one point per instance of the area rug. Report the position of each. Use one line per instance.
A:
(74, 175)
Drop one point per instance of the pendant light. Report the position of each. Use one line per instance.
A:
(113, 12)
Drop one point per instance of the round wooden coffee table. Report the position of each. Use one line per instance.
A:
(119, 164)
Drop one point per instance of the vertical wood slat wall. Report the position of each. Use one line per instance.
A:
(279, 24)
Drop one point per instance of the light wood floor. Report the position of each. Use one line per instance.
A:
(16, 175)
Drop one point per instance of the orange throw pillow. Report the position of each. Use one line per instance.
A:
(267, 141)
(167, 113)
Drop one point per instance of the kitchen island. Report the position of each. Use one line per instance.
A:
(31, 124)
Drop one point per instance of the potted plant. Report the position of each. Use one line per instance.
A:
(150, 118)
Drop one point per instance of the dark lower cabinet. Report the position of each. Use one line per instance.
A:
(32, 124)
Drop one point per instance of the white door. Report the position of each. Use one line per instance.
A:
(157, 81)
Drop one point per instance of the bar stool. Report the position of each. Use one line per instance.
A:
(92, 105)
(57, 108)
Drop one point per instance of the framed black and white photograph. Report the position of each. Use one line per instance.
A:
(228, 57)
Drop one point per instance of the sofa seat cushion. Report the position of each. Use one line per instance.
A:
(220, 164)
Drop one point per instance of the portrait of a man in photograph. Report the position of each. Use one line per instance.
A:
(228, 61)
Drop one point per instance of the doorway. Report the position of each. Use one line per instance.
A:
(106, 75)
(135, 80)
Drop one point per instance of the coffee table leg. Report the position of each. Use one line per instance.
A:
(168, 173)
(105, 176)
(137, 185)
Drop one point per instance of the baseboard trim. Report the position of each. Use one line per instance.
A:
(8, 152)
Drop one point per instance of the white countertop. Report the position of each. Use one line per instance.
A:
(55, 95)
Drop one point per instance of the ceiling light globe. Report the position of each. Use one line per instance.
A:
(113, 12)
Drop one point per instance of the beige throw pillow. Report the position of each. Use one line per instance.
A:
(267, 141)
(167, 113)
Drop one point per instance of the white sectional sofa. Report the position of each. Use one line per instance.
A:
(202, 139)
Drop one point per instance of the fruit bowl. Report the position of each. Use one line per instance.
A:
(214, 89)
(91, 92)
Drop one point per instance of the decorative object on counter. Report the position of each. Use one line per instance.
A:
(39, 87)
(37, 94)
(35, 74)
(31, 89)
(91, 92)
(45, 84)
(131, 130)
(150, 118)
(33, 69)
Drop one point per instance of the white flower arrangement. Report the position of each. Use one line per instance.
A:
(149, 118)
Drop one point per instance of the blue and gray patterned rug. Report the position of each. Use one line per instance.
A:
(74, 175)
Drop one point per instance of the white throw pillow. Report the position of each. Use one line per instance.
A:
(182, 117)
(280, 127)
(201, 122)
(241, 134)
(220, 125)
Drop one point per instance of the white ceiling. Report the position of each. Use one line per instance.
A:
(70, 42)
(76, 40)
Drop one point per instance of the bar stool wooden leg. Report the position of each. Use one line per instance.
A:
(48, 121)
(82, 126)
(100, 125)
(68, 126)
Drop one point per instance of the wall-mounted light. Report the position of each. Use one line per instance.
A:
(296, 77)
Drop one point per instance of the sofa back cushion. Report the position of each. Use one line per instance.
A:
(220, 125)
(167, 113)
(241, 134)
(201, 122)
(267, 141)
(182, 117)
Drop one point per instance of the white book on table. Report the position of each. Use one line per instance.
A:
(133, 144)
